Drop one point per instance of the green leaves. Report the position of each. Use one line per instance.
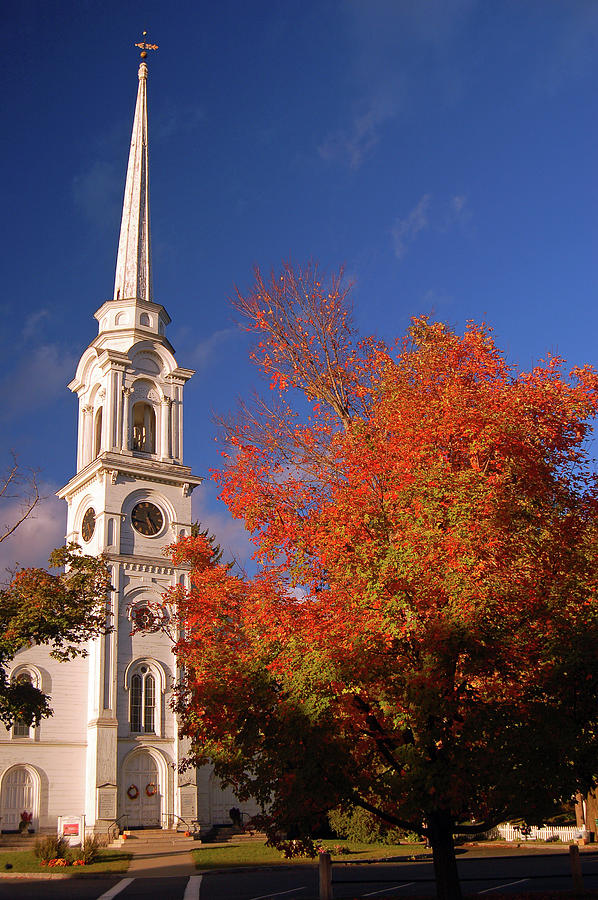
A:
(63, 611)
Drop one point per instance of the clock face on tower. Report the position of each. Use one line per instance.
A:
(147, 518)
(89, 524)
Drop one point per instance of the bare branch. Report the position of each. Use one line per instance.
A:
(306, 334)
(18, 483)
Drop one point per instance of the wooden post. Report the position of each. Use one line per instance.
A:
(326, 876)
(575, 868)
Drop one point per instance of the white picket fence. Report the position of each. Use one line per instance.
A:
(566, 834)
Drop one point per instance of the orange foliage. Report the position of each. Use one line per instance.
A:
(420, 637)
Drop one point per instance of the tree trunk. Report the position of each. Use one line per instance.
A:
(440, 835)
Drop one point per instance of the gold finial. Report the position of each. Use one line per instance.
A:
(145, 47)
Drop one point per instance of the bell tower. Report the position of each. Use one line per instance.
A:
(129, 499)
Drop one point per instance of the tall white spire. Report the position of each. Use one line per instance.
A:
(134, 261)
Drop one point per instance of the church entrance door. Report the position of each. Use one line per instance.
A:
(222, 799)
(142, 796)
(18, 795)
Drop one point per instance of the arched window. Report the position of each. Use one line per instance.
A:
(142, 713)
(20, 793)
(97, 433)
(20, 728)
(144, 319)
(144, 428)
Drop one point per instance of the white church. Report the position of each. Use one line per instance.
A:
(111, 751)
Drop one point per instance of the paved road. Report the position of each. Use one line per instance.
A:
(481, 875)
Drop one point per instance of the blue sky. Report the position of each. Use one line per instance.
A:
(444, 150)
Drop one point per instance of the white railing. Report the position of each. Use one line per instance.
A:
(565, 834)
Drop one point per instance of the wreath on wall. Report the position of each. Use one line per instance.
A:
(150, 789)
(132, 792)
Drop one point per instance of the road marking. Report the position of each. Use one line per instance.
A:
(385, 890)
(279, 894)
(193, 886)
(501, 886)
(122, 884)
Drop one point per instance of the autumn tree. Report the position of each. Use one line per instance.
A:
(420, 638)
(60, 610)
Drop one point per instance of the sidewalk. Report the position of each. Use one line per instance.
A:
(152, 858)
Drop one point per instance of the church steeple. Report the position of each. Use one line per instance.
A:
(134, 266)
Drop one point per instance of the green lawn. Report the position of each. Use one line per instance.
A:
(255, 853)
(26, 861)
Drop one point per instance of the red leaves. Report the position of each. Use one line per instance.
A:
(427, 537)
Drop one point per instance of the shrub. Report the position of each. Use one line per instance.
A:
(50, 847)
(362, 827)
(291, 849)
(88, 854)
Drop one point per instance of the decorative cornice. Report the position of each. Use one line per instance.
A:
(150, 470)
(148, 568)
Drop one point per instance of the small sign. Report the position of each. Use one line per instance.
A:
(72, 829)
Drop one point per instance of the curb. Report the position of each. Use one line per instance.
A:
(56, 876)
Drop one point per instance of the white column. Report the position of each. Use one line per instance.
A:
(165, 452)
(174, 434)
(116, 404)
(125, 443)
(180, 421)
(87, 434)
(147, 426)
(108, 415)
(109, 638)
(80, 435)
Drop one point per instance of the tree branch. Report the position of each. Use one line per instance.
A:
(24, 481)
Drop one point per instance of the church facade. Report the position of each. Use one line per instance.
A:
(111, 751)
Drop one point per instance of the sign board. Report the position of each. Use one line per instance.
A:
(107, 803)
(188, 802)
(72, 829)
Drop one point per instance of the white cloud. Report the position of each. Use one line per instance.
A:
(382, 28)
(457, 212)
(443, 216)
(354, 143)
(573, 54)
(205, 350)
(404, 230)
(230, 533)
(40, 378)
(98, 193)
(458, 204)
(32, 323)
(34, 540)
(177, 120)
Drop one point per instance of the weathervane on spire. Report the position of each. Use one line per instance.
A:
(145, 47)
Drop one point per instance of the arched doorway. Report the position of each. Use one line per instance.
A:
(19, 794)
(142, 793)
